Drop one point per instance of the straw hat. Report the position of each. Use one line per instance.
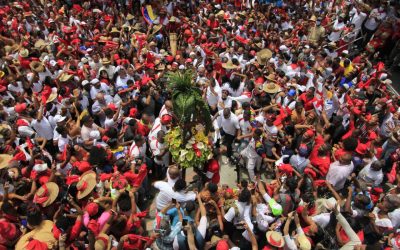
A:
(41, 233)
(263, 56)
(86, 184)
(313, 18)
(229, 65)
(220, 13)
(52, 97)
(304, 243)
(105, 61)
(36, 66)
(271, 88)
(275, 239)
(129, 17)
(11, 49)
(46, 194)
(157, 28)
(137, 26)
(114, 30)
(271, 77)
(332, 44)
(102, 242)
(160, 67)
(24, 53)
(65, 77)
(172, 19)
(40, 44)
(4, 160)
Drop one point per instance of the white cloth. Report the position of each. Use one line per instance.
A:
(371, 176)
(43, 128)
(335, 35)
(166, 195)
(338, 174)
(371, 23)
(229, 125)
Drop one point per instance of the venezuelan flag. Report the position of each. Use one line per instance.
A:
(148, 14)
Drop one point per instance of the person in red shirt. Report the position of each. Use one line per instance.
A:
(308, 98)
(212, 22)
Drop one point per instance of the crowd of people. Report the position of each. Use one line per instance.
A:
(299, 93)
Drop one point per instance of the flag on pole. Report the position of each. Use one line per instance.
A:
(148, 14)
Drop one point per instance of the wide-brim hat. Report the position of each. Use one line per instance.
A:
(271, 77)
(46, 194)
(129, 17)
(114, 30)
(332, 44)
(263, 56)
(11, 49)
(40, 44)
(24, 53)
(4, 160)
(137, 26)
(271, 88)
(103, 242)
(275, 239)
(157, 28)
(51, 97)
(105, 61)
(229, 65)
(313, 18)
(86, 184)
(36, 66)
(65, 77)
(41, 233)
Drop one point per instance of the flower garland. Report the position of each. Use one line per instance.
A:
(196, 151)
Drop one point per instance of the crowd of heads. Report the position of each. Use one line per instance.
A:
(300, 96)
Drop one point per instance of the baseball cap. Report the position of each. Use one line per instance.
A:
(291, 92)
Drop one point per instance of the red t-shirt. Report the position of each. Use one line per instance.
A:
(308, 103)
(213, 168)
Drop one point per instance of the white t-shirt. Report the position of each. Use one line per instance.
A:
(136, 151)
(156, 148)
(212, 99)
(166, 195)
(229, 125)
(335, 35)
(43, 128)
(370, 176)
(337, 174)
(85, 131)
(371, 23)
(237, 92)
(245, 126)
(227, 103)
(17, 89)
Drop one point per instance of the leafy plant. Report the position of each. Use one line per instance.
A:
(188, 143)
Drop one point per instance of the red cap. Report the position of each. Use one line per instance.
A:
(92, 208)
(286, 168)
(112, 107)
(20, 107)
(169, 58)
(82, 166)
(189, 60)
(165, 119)
(2, 88)
(132, 112)
(60, 62)
(310, 172)
(309, 133)
(222, 245)
(320, 183)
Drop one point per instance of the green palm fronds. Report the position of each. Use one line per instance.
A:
(188, 104)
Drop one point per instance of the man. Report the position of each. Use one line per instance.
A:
(337, 29)
(100, 105)
(138, 148)
(98, 87)
(160, 153)
(224, 100)
(317, 32)
(254, 153)
(166, 109)
(44, 130)
(376, 16)
(88, 126)
(229, 127)
(167, 193)
(162, 123)
(339, 171)
(372, 174)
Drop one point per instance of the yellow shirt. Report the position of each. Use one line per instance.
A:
(348, 69)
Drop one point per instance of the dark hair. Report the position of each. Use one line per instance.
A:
(64, 223)
(244, 196)
(350, 144)
(97, 157)
(235, 83)
(34, 216)
(124, 202)
(108, 112)
(180, 185)
(212, 187)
